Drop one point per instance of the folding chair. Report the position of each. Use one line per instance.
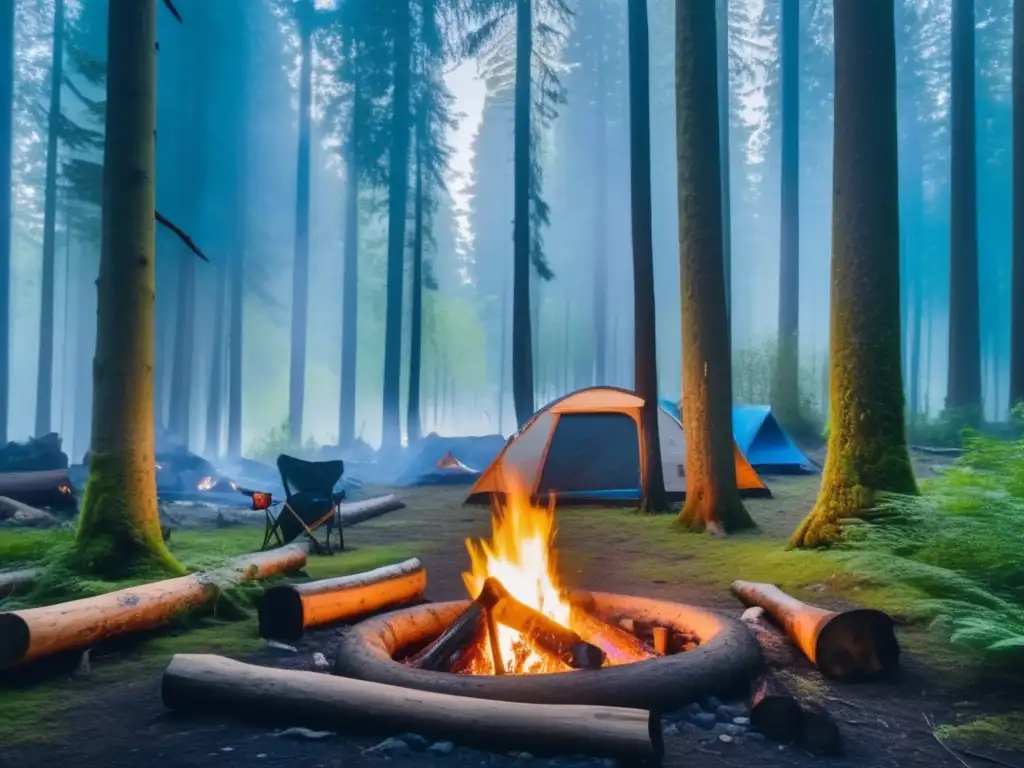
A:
(311, 503)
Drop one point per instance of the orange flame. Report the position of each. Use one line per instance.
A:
(206, 483)
(519, 554)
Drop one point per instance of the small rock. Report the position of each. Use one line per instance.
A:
(524, 756)
(261, 754)
(754, 613)
(608, 763)
(754, 736)
(391, 746)
(416, 742)
(724, 714)
(725, 737)
(319, 660)
(744, 721)
(304, 733)
(441, 748)
(704, 720)
(227, 749)
(281, 646)
(710, 704)
(734, 730)
(692, 709)
(670, 728)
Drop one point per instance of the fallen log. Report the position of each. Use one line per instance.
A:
(852, 644)
(12, 580)
(37, 632)
(550, 636)
(193, 683)
(287, 610)
(49, 488)
(777, 649)
(350, 513)
(782, 716)
(618, 645)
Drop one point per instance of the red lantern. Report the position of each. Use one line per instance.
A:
(261, 500)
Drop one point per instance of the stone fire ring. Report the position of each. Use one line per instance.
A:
(726, 659)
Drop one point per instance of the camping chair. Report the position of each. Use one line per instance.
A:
(311, 503)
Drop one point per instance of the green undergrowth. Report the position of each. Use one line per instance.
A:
(1004, 732)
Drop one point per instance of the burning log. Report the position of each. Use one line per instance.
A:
(50, 488)
(38, 632)
(285, 611)
(469, 626)
(12, 580)
(782, 716)
(547, 635)
(852, 644)
(215, 684)
(660, 640)
(618, 645)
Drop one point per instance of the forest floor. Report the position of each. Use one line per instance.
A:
(113, 717)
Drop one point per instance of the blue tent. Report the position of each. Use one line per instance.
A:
(761, 439)
(442, 460)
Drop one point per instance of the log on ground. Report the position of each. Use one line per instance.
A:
(37, 632)
(784, 716)
(194, 683)
(15, 580)
(49, 488)
(854, 644)
(286, 611)
(354, 512)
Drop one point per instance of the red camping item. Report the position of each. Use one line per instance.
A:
(261, 500)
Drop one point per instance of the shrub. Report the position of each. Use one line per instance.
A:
(276, 441)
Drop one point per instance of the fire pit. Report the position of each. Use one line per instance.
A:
(525, 639)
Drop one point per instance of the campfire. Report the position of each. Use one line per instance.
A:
(522, 621)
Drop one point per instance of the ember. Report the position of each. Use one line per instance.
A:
(206, 483)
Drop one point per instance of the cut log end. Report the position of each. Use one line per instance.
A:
(783, 716)
(14, 639)
(857, 644)
(280, 614)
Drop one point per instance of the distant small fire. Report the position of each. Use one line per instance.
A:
(65, 489)
(206, 483)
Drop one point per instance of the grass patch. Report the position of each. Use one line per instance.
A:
(27, 546)
(1004, 732)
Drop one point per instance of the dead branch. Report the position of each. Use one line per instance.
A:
(182, 235)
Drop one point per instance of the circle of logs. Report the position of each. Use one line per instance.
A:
(726, 659)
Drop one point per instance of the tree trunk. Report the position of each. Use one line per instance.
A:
(867, 444)
(6, 145)
(963, 381)
(398, 192)
(236, 302)
(350, 283)
(722, 22)
(119, 525)
(712, 500)
(180, 406)
(412, 421)
(1017, 289)
(300, 275)
(915, 351)
(600, 298)
(44, 381)
(786, 392)
(522, 343)
(215, 399)
(645, 375)
(503, 357)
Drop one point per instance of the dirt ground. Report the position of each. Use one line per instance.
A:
(124, 725)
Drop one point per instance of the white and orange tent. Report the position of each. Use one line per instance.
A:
(585, 448)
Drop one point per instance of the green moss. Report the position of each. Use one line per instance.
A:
(116, 533)
(995, 732)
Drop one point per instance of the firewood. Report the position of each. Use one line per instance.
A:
(285, 611)
(853, 644)
(37, 632)
(470, 625)
(619, 646)
(782, 715)
(548, 635)
(660, 635)
(194, 683)
(493, 642)
(12, 580)
(49, 488)
(352, 512)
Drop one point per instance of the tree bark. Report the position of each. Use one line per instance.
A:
(412, 420)
(600, 276)
(712, 500)
(786, 390)
(645, 374)
(398, 192)
(867, 442)
(119, 524)
(6, 213)
(300, 274)
(722, 23)
(963, 378)
(522, 342)
(44, 380)
(215, 398)
(1017, 289)
(350, 277)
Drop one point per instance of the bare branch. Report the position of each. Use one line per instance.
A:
(173, 10)
(189, 243)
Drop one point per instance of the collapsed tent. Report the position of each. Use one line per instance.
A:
(761, 438)
(449, 460)
(585, 448)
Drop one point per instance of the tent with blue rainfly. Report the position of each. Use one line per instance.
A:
(440, 460)
(761, 439)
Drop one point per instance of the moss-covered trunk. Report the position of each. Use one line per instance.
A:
(6, 145)
(963, 377)
(522, 341)
(867, 446)
(1017, 289)
(44, 379)
(786, 386)
(712, 499)
(119, 526)
(645, 361)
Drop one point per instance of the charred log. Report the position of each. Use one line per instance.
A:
(618, 645)
(783, 716)
(547, 635)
